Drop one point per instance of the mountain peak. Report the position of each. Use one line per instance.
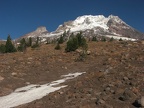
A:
(41, 29)
(112, 16)
(115, 18)
(86, 18)
(92, 25)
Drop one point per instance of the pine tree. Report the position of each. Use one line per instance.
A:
(2, 48)
(76, 41)
(103, 39)
(61, 40)
(37, 41)
(22, 46)
(84, 44)
(72, 44)
(9, 46)
(36, 44)
(120, 39)
(64, 34)
(48, 40)
(94, 38)
(111, 39)
(79, 38)
(29, 44)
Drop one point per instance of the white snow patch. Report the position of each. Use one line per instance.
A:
(88, 22)
(120, 37)
(55, 34)
(33, 92)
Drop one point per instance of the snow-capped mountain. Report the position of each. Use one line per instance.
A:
(89, 25)
(111, 26)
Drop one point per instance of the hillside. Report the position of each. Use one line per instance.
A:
(113, 76)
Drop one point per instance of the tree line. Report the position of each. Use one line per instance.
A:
(9, 47)
(73, 42)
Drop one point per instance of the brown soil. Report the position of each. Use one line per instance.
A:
(114, 75)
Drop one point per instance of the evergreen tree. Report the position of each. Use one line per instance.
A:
(48, 41)
(84, 44)
(37, 41)
(64, 34)
(2, 48)
(71, 36)
(79, 38)
(36, 44)
(120, 39)
(9, 46)
(76, 41)
(29, 44)
(103, 39)
(72, 44)
(61, 40)
(111, 39)
(94, 38)
(22, 46)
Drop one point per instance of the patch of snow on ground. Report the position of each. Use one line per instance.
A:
(120, 37)
(33, 92)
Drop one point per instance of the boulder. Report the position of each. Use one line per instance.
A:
(142, 101)
(1, 78)
(88, 52)
(127, 95)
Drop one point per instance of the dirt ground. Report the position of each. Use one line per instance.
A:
(114, 75)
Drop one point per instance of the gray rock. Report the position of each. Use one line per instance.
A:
(107, 89)
(88, 52)
(2, 71)
(110, 85)
(1, 78)
(127, 95)
(108, 106)
(14, 74)
(30, 58)
(27, 83)
(142, 101)
(112, 91)
(139, 102)
(125, 78)
(100, 101)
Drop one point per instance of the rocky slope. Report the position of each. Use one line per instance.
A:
(39, 32)
(113, 78)
(111, 26)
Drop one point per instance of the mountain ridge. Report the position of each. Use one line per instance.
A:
(96, 25)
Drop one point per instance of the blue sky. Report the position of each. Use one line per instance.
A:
(18, 17)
